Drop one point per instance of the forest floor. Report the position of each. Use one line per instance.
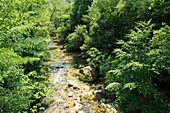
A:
(70, 95)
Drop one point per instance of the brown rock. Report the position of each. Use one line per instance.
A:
(75, 98)
(86, 89)
(88, 74)
(71, 104)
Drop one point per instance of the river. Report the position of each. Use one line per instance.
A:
(70, 95)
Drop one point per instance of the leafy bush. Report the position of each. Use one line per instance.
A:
(13, 82)
(76, 39)
(60, 15)
(140, 70)
(95, 58)
(23, 80)
(80, 8)
(62, 33)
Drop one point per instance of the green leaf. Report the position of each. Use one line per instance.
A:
(115, 86)
(130, 86)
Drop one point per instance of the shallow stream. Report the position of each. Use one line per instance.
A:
(70, 95)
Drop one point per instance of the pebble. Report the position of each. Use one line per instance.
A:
(86, 89)
(98, 91)
(72, 84)
(71, 104)
(70, 94)
(78, 107)
(81, 112)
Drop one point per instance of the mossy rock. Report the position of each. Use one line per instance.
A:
(87, 74)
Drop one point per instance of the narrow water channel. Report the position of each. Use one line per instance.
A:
(70, 95)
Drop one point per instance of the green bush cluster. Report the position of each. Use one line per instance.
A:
(60, 14)
(128, 41)
(139, 73)
(76, 39)
(23, 50)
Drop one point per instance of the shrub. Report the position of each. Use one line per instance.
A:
(76, 39)
(96, 58)
(23, 80)
(13, 82)
(140, 70)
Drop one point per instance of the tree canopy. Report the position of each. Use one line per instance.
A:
(23, 26)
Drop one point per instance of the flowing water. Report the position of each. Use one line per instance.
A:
(70, 95)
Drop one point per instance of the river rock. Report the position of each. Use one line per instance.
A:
(70, 94)
(72, 84)
(71, 104)
(81, 112)
(87, 74)
(98, 91)
(77, 107)
(86, 89)
(59, 66)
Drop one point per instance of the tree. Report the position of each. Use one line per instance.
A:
(80, 8)
(23, 51)
(140, 71)
(111, 20)
(13, 82)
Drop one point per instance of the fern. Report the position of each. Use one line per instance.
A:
(115, 86)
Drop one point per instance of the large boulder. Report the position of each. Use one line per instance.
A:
(87, 74)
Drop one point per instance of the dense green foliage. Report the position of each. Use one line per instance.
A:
(23, 83)
(128, 42)
(80, 8)
(139, 72)
(60, 14)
